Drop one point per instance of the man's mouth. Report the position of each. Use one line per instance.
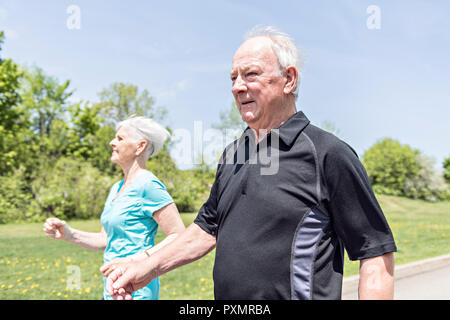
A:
(246, 102)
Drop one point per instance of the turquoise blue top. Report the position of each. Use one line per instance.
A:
(129, 224)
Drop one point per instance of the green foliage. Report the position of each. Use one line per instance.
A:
(429, 184)
(231, 122)
(120, 101)
(188, 188)
(44, 98)
(69, 189)
(10, 115)
(446, 166)
(396, 169)
(389, 164)
(14, 197)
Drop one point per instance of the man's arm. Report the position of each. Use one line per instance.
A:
(376, 278)
(190, 245)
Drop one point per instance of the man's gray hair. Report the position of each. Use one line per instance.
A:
(143, 128)
(283, 46)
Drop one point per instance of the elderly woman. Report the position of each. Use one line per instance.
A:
(135, 206)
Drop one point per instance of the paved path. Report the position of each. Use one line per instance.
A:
(419, 284)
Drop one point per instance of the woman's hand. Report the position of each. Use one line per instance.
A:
(57, 229)
(106, 269)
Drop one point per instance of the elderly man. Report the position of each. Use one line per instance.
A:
(282, 234)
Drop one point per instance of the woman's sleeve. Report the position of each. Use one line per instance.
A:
(155, 197)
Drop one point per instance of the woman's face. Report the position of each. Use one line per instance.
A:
(123, 147)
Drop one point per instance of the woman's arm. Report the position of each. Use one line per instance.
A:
(170, 222)
(59, 229)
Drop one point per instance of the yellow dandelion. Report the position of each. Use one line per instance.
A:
(66, 296)
(59, 294)
(24, 291)
(80, 291)
(18, 280)
(203, 289)
(68, 259)
(87, 290)
(10, 286)
(202, 279)
(28, 278)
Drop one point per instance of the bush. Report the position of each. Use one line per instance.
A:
(190, 189)
(70, 189)
(389, 165)
(399, 170)
(429, 184)
(446, 166)
(15, 197)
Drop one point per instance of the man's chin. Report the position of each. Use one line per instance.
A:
(248, 117)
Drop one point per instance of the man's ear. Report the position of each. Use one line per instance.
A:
(291, 73)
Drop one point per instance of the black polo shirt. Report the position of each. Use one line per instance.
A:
(283, 210)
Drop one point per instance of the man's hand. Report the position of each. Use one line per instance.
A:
(127, 277)
(109, 267)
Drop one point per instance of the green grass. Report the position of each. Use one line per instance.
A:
(33, 266)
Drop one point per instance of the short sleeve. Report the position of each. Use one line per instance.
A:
(356, 215)
(154, 197)
(207, 217)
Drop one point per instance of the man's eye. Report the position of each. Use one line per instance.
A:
(251, 74)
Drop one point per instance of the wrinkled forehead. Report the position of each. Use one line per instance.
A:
(256, 50)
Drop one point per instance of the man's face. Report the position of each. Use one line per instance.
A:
(257, 82)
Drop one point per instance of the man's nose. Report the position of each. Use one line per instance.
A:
(111, 143)
(239, 85)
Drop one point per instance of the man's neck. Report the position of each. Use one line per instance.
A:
(262, 129)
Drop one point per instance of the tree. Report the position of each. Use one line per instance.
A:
(11, 121)
(85, 124)
(231, 122)
(45, 99)
(446, 166)
(429, 184)
(120, 101)
(389, 164)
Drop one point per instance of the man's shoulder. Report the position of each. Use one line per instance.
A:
(327, 144)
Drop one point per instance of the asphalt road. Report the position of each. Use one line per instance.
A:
(430, 285)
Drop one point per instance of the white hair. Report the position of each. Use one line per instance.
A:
(284, 48)
(143, 128)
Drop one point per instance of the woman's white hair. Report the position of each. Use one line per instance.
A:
(283, 46)
(143, 128)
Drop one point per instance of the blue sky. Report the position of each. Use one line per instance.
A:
(371, 83)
